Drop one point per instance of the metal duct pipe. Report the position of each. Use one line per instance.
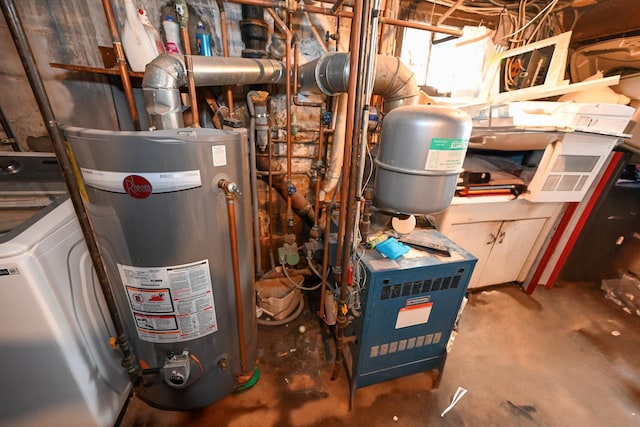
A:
(393, 80)
(167, 73)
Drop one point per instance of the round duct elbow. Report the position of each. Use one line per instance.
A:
(329, 74)
(165, 72)
(160, 86)
(395, 83)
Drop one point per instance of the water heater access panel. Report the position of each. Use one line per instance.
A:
(410, 307)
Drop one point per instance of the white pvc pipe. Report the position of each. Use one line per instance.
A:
(336, 156)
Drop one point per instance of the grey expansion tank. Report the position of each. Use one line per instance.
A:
(422, 149)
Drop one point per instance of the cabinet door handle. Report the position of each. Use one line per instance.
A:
(501, 237)
(492, 239)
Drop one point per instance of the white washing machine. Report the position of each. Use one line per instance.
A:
(58, 368)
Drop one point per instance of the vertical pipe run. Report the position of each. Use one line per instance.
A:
(318, 180)
(35, 80)
(183, 12)
(318, 164)
(344, 253)
(225, 50)
(355, 153)
(122, 63)
(254, 180)
(325, 260)
(230, 190)
(354, 49)
(285, 29)
(369, 73)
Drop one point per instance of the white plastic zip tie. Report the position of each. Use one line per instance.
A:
(456, 398)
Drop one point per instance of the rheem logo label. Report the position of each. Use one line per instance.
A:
(137, 186)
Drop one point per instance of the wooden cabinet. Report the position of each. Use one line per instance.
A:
(502, 247)
(505, 236)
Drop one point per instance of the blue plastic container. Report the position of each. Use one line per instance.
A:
(203, 41)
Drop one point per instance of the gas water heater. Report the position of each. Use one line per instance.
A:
(164, 231)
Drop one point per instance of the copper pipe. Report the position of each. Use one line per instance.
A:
(344, 249)
(289, 37)
(384, 45)
(270, 186)
(225, 50)
(230, 190)
(336, 6)
(364, 10)
(352, 86)
(316, 202)
(191, 83)
(94, 70)
(122, 63)
(347, 14)
(325, 259)
(300, 8)
(449, 12)
(421, 26)
(325, 11)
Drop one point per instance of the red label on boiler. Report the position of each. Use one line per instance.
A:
(137, 186)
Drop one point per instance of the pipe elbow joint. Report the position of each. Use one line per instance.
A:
(160, 86)
(165, 72)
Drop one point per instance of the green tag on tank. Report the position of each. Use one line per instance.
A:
(446, 154)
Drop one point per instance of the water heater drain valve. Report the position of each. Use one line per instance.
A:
(176, 369)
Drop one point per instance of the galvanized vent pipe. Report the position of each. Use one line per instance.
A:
(167, 73)
(329, 74)
(393, 80)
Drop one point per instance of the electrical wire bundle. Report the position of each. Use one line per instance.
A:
(519, 22)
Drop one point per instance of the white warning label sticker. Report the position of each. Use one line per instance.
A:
(413, 315)
(172, 303)
(219, 153)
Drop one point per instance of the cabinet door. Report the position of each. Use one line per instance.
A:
(510, 251)
(477, 238)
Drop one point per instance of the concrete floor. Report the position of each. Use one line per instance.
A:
(561, 357)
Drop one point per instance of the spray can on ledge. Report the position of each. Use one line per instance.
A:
(172, 35)
(203, 40)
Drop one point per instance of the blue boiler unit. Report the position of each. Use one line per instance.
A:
(410, 306)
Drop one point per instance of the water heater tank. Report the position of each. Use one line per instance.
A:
(163, 230)
(422, 149)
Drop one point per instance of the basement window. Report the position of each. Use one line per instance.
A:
(446, 66)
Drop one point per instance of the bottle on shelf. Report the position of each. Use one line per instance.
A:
(152, 32)
(172, 35)
(203, 40)
(139, 47)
